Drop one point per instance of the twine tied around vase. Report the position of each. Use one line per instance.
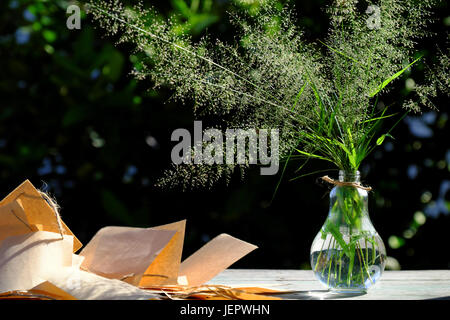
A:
(345, 184)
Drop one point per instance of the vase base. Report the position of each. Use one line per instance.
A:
(356, 291)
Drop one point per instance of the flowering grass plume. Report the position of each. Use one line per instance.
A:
(322, 95)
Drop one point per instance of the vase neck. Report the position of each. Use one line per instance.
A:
(349, 205)
(349, 176)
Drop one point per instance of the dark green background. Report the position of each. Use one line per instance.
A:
(71, 116)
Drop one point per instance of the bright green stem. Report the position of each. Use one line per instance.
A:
(334, 230)
(329, 268)
(318, 258)
(366, 267)
(373, 250)
(328, 251)
(352, 262)
(331, 261)
(362, 262)
(335, 264)
(367, 251)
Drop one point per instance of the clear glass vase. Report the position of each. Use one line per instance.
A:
(347, 254)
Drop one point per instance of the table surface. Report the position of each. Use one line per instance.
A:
(393, 285)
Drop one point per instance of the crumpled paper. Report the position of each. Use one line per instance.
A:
(37, 211)
(38, 260)
(29, 259)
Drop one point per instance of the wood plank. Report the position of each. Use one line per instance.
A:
(394, 285)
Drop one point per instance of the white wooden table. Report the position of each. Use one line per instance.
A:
(394, 285)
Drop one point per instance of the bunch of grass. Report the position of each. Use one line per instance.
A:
(323, 97)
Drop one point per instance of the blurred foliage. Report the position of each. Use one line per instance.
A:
(72, 117)
(194, 18)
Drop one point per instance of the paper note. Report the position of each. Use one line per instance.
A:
(88, 286)
(27, 260)
(123, 252)
(37, 256)
(214, 257)
(13, 221)
(49, 289)
(38, 211)
(164, 269)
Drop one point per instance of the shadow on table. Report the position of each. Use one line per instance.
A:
(318, 295)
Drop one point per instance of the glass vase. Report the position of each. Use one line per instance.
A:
(348, 255)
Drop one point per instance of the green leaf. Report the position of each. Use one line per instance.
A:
(297, 98)
(182, 7)
(380, 140)
(380, 118)
(339, 52)
(320, 103)
(352, 153)
(199, 22)
(311, 155)
(393, 77)
(194, 5)
(282, 175)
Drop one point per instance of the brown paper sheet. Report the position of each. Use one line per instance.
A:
(38, 211)
(50, 290)
(214, 257)
(218, 292)
(14, 221)
(164, 269)
(35, 258)
(123, 252)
